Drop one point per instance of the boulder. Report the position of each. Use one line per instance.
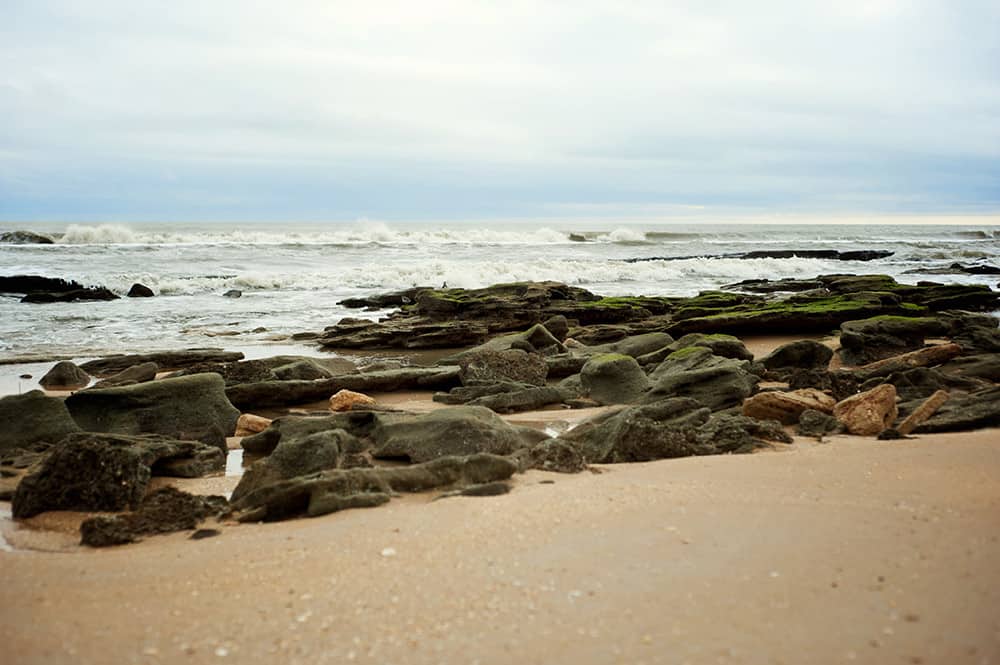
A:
(879, 337)
(802, 354)
(489, 366)
(558, 326)
(818, 424)
(461, 430)
(724, 346)
(613, 378)
(696, 372)
(346, 400)
(140, 291)
(233, 293)
(129, 376)
(291, 428)
(249, 424)
(870, 412)
(65, 374)
(787, 407)
(33, 417)
(190, 407)
(164, 511)
(164, 359)
(301, 370)
(341, 489)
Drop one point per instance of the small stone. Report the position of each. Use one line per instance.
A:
(346, 400)
(389, 551)
(249, 423)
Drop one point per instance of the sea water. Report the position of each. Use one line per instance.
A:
(292, 276)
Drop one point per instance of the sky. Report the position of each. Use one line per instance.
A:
(310, 111)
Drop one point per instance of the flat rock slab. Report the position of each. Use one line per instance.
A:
(164, 359)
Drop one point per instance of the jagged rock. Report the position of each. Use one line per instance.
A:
(25, 238)
(922, 382)
(775, 285)
(39, 289)
(525, 399)
(346, 400)
(289, 429)
(818, 424)
(382, 301)
(923, 412)
(140, 291)
(164, 511)
(164, 359)
(284, 393)
(334, 490)
(65, 374)
(551, 455)
(488, 366)
(32, 417)
(870, 412)
(301, 370)
(973, 411)
(802, 354)
(839, 383)
(880, 337)
(190, 407)
(460, 430)
(696, 372)
(88, 471)
(249, 424)
(298, 457)
(129, 376)
(613, 378)
(787, 407)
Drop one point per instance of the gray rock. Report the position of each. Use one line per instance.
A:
(818, 424)
(460, 430)
(960, 413)
(613, 379)
(164, 359)
(140, 291)
(65, 374)
(489, 366)
(129, 376)
(190, 407)
(724, 346)
(804, 354)
(983, 366)
(301, 370)
(880, 337)
(164, 511)
(33, 417)
(558, 326)
(233, 293)
(637, 346)
(696, 372)
(25, 238)
(288, 430)
(526, 399)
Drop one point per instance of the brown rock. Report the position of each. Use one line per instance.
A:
(869, 412)
(923, 412)
(345, 400)
(786, 407)
(925, 357)
(249, 423)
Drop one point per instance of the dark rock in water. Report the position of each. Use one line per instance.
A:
(828, 254)
(881, 337)
(818, 424)
(289, 430)
(140, 291)
(958, 269)
(233, 293)
(129, 376)
(576, 237)
(248, 396)
(88, 471)
(298, 456)
(396, 299)
(775, 286)
(695, 372)
(32, 417)
(975, 410)
(334, 490)
(489, 366)
(801, 354)
(164, 359)
(613, 378)
(65, 374)
(461, 430)
(164, 511)
(190, 407)
(39, 289)
(25, 238)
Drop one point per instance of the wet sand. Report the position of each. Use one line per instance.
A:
(850, 551)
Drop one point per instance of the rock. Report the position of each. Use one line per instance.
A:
(465, 394)
(921, 382)
(551, 455)
(346, 400)
(802, 354)
(960, 413)
(39, 289)
(923, 412)
(140, 291)
(565, 364)
(165, 360)
(284, 393)
(98, 472)
(525, 399)
(233, 293)
(334, 490)
(870, 412)
(485, 489)
(385, 300)
(460, 430)
(839, 383)
(613, 379)
(488, 366)
(298, 457)
(984, 366)
(978, 340)
(289, 429)
(787, 407)
(164, 511)
(129, 376)
(557, 326)
(25, 238)
(190, 407)
(817, 424)
(301, 370)
(929, 355)
(403, 334)
(637, 346)
(716, 382)
(33, 417)
(599, 335)
(249, 424)
(65, 374)
(724, 346)
(863, 342)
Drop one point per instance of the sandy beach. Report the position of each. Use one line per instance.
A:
(848, 551)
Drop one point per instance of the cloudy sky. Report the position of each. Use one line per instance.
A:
(332, 110)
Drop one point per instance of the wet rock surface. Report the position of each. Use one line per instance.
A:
(33, 417)
(164, 511)
(613, 378)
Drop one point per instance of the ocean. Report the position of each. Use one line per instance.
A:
(292, 275)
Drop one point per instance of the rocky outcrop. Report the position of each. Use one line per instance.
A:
(37, 289)
(461, 430)
(292, 428)
(613, 378)
(164, 511)
(870, 412)
(801, 354)
(301, 370)
(972, 411)
(130, 376)
(33, 417)
(486, 366)
(787, 407)
(983, 366)
(64, 375)
(346, 400)
(724, 346)
(140, 291)
(164, 359)
(331, 491)
(873, 339)
(190, 407)
(696, 372)
(25, 238)
(527, 398)
(828, 254)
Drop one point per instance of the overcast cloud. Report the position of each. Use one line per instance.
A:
(451, 110)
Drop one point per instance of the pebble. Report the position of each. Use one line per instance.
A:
(389, 551)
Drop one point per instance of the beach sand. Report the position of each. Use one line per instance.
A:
(850, 551)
